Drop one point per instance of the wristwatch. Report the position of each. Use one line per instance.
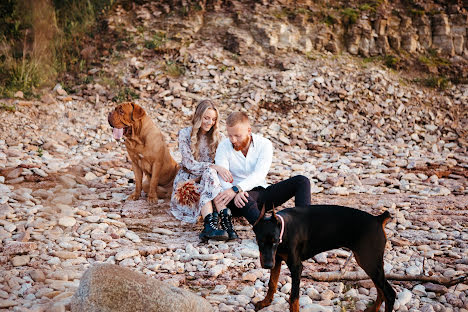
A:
(236, 189)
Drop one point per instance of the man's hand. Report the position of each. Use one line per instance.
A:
(224, 198)
(241, 199)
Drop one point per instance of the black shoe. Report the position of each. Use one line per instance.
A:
(226, 223)
(211, 230)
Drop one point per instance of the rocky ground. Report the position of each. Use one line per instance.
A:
(364, 137)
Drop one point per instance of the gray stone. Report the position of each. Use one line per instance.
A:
(110, 288)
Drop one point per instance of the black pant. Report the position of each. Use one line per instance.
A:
(274, 195)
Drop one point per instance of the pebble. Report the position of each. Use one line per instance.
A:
(133, 237)
(404, 297)
(20, 260)
(126, 253)
(413, 270)
(67, 221)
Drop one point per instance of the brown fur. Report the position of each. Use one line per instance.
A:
(148, 151)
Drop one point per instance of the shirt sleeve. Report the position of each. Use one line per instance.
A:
(222, 159)
(258, 176)
(188, 162)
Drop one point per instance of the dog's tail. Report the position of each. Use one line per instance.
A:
(384, 218)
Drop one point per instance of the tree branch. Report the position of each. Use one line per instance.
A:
(358, 276)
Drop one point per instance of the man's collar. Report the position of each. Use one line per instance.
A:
(252, 139)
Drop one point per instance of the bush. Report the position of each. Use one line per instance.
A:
(391, 61)
(42, 38)
(350, 15)
(126, 94)
(441, 83)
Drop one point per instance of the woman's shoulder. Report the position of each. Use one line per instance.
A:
(185, 132)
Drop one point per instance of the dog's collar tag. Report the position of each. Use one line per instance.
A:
(282, 228)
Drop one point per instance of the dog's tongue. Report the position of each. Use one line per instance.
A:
(118, 133)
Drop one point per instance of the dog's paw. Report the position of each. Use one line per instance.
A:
(153, 199)
(260, 305)
(134, 196)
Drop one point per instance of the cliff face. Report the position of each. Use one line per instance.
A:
(431, 35)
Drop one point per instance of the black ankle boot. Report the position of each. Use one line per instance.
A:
(211, 230)
(226, 223)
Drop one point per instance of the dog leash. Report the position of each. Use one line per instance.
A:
(282, 228)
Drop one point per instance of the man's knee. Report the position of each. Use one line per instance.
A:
(302, 180)
(250, 211)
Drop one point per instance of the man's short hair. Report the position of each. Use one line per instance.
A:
(236, 118)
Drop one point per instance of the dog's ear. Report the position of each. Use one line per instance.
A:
(138, 112)
(262, 214)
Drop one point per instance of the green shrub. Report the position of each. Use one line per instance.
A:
(126, 94)
(159, 39)
(42, 38)
(10, 108)
(174, 69)
(330, 20)
(391, 61)
(350, 15)
(438, 82)
(433, 59)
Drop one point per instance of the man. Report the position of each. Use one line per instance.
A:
(248, 157)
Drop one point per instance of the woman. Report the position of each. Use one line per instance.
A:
(198, 144)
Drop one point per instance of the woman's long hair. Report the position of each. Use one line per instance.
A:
(213, 136)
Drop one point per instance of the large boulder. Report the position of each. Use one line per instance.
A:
(111, 288)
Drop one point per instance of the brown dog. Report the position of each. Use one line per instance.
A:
(147, 150)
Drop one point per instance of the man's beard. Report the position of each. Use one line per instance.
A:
(242, 145)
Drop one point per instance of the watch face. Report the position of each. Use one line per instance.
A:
(235, 189)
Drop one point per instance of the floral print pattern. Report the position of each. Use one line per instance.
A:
(191, 169)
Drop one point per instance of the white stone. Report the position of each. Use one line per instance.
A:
(89, 176)
(419, 290)
(286, 288)
(316, 308)
(321, 258)
(40, 172)
(9, 227)
(404, 297)
(305, 300)
(248, 291)
(133, 237)
(217, 270)
(413, 270)
(220, 289)
(67, 221)
(126, 253)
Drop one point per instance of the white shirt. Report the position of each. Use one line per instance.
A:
(247, 171)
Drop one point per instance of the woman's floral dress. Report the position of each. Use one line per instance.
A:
(209, 185)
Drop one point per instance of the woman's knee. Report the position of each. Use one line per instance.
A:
(210, 172)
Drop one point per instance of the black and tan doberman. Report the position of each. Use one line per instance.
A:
(296, 234)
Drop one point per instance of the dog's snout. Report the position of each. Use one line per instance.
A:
(109, 119)
(268, 265)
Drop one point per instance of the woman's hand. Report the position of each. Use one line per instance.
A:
(223, 172)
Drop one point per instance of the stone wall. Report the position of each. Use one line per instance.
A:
(388, 31)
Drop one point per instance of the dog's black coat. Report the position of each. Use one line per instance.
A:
(317, 228)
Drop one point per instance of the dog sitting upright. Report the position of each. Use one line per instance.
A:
(296, 234)
(147, 149)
